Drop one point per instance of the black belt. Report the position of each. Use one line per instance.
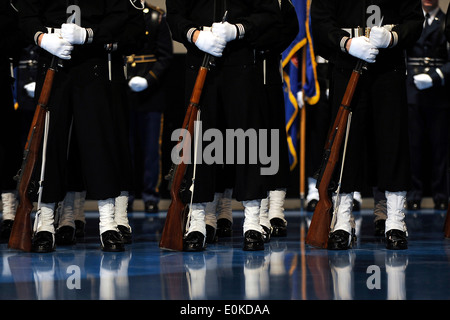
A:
(426, 62)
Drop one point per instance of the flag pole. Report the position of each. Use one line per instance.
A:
(303, 130)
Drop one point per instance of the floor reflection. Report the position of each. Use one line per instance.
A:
(286, 270)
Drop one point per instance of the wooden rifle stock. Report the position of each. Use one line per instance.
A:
(20, 237)
(174, 226)
(319, 228)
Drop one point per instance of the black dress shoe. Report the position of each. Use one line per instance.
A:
(311, 206)
(151, 207)
(79, 228)
(65, 236)
(396, 240)
(43, 242)
(112, 241)
(341, 240)
(413, 205)
(380, 226)
(253, 241)
(5, 230)
(211, 236)
(266, 234)
(126, 234)
(224, 228)
(194, 241)
(441, 205)
(279, 227)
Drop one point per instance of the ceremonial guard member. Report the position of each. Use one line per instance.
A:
(231, 99)
(379, 108)
(146, 97)
(81, 99)
(10, 122)
(269, 48)
(428, 108)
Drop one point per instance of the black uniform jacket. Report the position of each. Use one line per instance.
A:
(255, 15)
(431, 44)
(329, 17)
(106, 18)
(151, 61)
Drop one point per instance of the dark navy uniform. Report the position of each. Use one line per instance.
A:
(429, 112)
(233, 98)
(146, 107)
(10, 118)
(85, 76)
(10, 147)
(87, 103)
(379, 118)
(229, 99)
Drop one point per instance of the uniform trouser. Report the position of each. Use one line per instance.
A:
(231, 99)
(145, 135)
(378, 133)
(428, 126)
(10, 140)
(82, 93)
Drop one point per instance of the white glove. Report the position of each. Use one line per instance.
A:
(423, 81)
(300, 100)
(225, 30)
(73, 33)
(360, 47)
(30, 88)
(138, 84)
(56, 45)
(210, 43)
(380, 37)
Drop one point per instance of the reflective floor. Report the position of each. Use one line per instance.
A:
(285, 270)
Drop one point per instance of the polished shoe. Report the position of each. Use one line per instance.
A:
(341, 240)
(211, 236)
(441, 205)
(126, 234)
(266, 234)
(380, 226)
(112, 241)
(253, 241)
(194, 241)
(396, 240)
(413, 205)
(79, 228)
(43, 242)
(279, 227)
(151, 207)
(5, 230)
(311, 206)
(224, 228)
(65, 236)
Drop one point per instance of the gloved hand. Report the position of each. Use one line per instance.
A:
(360, 47)
(56, 45)
(210, 43)
(423, 81)
(30, 88)
(380, 37)
(73, 33)
(225, 30)
(138, 84)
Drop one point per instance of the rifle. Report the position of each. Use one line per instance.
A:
(319, 228)
(174, 227)
(20, 237)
